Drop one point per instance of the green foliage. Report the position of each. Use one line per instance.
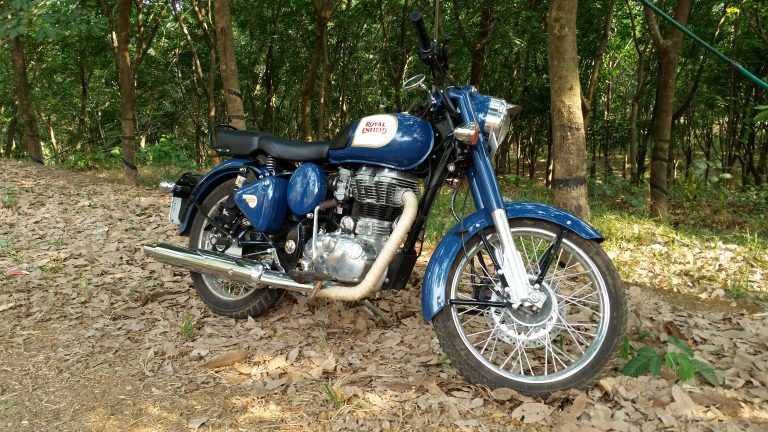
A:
(644, 360)
(10, 198)
(619, 193)
(167, 152)
(187, 327)
(334, 395)
(7, 404)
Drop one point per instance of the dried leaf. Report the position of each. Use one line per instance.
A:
(505, 394)
(532, 412)
(196, 423)
(227, 358)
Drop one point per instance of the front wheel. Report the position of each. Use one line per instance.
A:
(566, 343)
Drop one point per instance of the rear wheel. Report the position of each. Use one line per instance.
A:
(225, 297)
(564, 344)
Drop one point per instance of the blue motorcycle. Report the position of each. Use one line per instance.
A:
(520, 294)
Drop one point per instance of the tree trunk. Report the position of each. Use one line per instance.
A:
(669, 52)
(568, 142)
(24, 94)
(125, 73)
(228, 64)
(127, 65)
(268, 118)
(10, 133)
(323, 15)
(82, 119)
(762, 163)
(478, 52)
(597, 60)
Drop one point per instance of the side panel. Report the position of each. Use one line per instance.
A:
(264, 203)
(436, 275)
(398, 141)
(219, 174)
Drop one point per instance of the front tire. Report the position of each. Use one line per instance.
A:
(225, 297)
(566, 344)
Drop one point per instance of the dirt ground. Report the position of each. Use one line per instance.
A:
(96, 336)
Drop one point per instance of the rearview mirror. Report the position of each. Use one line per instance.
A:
(414, 82)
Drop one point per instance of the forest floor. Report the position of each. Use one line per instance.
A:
(96, 336)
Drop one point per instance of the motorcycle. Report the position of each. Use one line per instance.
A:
(520, 295)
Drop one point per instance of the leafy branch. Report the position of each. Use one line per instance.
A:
(641, 361)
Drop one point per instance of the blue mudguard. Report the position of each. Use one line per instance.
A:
(218, 175)
(436, 275)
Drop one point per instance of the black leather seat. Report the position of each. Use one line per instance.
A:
(250, 143)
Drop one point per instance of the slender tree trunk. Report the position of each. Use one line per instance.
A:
(82, 119)
(125, 73)
(24, 94)
(762, 163)
(568, 141)
(608, 139)
(478, 52)
(228, 64)
(669, 52)
(322, 85)
(323, 15)
(597, 60)
(268, 117)
(127, 65)
(210, 40)
(10, 133)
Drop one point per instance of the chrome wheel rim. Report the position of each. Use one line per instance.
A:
(548, 348)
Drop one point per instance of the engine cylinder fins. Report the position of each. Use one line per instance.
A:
(382, 186)
(381, 212)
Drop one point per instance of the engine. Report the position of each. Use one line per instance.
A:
(348, 253)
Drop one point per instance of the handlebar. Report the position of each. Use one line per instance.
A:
(425, 43)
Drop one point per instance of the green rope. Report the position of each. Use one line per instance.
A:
(717, 53)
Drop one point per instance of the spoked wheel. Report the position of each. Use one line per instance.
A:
(225, 297)
(564, 344)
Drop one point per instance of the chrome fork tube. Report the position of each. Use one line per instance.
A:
(512, 266)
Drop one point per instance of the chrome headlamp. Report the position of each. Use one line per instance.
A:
(497, 119)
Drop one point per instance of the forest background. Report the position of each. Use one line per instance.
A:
(134, 86)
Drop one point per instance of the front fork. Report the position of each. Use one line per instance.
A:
(487, 197)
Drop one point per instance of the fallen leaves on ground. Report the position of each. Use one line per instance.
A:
(90, 340)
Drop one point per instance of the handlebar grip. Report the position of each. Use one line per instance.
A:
(425, 43)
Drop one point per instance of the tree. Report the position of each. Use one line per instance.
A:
(668, 49)
(568, 140)
(127, 67)
(228, 64)
(24, 94)
(323, 12)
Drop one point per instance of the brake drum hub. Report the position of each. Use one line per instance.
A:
(525, 326)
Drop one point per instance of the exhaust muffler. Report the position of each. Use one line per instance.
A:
(255, 274)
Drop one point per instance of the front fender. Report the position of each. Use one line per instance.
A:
(218, 175)
(436, 275)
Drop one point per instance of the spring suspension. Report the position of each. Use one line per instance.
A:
(271, 164)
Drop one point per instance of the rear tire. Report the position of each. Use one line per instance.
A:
(566, 344)
(225, 297)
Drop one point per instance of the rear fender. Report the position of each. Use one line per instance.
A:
(436, 275)
(218, 175)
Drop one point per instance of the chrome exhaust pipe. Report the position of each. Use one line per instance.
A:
(256, 274)
(226, 266)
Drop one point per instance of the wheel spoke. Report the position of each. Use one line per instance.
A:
(530, 346)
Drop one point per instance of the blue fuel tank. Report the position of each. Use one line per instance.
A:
(398, 141)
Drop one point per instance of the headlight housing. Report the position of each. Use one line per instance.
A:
(497, 119)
